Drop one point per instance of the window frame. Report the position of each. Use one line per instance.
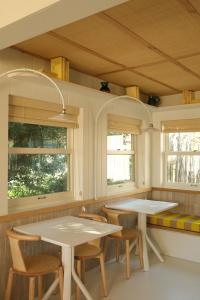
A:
(37, 201)
(166, 153)
(129, 185)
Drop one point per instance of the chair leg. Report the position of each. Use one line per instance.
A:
(61, 281)
(9, 285)
(117, 249)
(31, 288)
(103, 275)
(140, 250)
(127, 259)
(78, 269)
(40, 288)
(83, 271)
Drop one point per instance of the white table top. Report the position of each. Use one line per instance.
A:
(69, 230)
(150, 207)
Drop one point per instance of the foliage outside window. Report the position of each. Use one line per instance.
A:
(39, 162)
(120, 158)
(182, 158)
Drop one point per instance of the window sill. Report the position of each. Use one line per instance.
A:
(67, 204)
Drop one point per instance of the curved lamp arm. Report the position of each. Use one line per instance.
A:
(150, 126)
(15, 72)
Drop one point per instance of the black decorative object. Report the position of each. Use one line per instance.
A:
(104, 87)
(154, 100)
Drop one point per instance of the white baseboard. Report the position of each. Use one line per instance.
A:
(175, 244)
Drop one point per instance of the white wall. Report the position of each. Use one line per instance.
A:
(89, 101)
(12, 58)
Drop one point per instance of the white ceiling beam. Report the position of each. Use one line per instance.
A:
(43, 17)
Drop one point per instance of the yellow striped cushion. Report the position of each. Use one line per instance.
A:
(176, 220)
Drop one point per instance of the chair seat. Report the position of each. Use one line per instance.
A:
(126, 234)
(41, 264)
(86, 251)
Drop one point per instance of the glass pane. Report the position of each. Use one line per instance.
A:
(119, 141)
(184, 141)
(36, 136)
(37, 174)
(120, 169)
(183, 169)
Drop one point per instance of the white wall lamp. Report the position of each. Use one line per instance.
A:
(150, 128)
(62, 116)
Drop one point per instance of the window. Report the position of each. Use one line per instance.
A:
(39, 160)
(182, 158)
(120, 158)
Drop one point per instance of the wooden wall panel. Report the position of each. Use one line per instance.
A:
(189, 202)
(20, 284)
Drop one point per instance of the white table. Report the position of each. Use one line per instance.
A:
(144, 208)
(68, 232)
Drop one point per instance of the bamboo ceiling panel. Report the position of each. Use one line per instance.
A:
(158, 40)
(47, 46)
(171, 75)
(192, 62)
(168, 25)
(128, 78)
(98, 34)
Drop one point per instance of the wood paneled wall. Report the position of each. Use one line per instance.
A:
(20, 287)
(189, 201)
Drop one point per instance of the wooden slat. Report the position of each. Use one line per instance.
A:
(175, 190)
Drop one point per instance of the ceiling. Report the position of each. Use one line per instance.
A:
(153, 44)
(21, 20)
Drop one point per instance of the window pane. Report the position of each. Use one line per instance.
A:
(120, 169)
(183, 169)
(37, 174)
(119, 141)
(36, 136)
(184, 141)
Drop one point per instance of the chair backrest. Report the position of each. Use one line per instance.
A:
(94, 217)
(16, 253)
(113, 217)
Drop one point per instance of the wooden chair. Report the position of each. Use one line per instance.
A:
(91, 250)
(126, 234)
(31, 266)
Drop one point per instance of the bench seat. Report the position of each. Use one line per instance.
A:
(175, 220)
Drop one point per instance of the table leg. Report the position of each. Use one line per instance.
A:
(67, 267)
(78, 281)
(142, 226)
(155, 250)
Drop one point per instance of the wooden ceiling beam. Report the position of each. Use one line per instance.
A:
(122, 67)
(147, 44)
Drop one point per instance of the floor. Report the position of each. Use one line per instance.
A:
(175, 279)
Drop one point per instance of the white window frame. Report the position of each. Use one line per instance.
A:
(167, 153)
(127, 186)
(44, 200)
